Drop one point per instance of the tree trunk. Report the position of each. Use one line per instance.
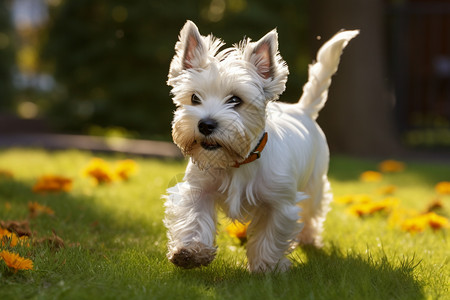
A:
(358, 117)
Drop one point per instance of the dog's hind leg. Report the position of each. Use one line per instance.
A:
(314, 211)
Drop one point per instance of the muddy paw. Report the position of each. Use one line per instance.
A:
(192, 256)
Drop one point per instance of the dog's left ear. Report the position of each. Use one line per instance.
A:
(264, 55)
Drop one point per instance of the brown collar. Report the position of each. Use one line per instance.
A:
(255, 154)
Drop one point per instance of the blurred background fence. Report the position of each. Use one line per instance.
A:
(99, 67)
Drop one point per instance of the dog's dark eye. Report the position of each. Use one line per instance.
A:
(195, 100)
(235, 100)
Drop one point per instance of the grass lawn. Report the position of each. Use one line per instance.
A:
(115, 242)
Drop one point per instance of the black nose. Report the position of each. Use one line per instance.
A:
(207, 126)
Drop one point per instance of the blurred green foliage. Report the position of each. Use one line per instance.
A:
(6, 56)
(111, 58)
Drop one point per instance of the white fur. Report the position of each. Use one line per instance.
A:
(285, 193)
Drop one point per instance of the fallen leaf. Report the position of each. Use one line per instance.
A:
(55, 242)
(21, 228)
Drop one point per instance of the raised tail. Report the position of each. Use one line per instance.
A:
(315, 91)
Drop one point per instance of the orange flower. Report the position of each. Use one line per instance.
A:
(126, 168)
(371, 176)
(37, 209)
(15, 261)
(443, 188)
(3, 231)
(239, 230)
(391, 166)
(52, 183)
(99, 170)
(8, 238)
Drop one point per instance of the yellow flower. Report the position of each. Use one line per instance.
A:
(37, 209)
(436, 222)
(443, 188)
(387, 190)
(99, 170)
(357, 198)
(239, 230)
(368, 208)
(126, 168)
(360, 209)
(420, 222)
(15, 261)
(371, 176)
(391, 166)
(415, 224)
(52, 183)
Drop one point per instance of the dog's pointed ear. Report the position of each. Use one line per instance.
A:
(264, 55)
(194, 47)
(191, 50)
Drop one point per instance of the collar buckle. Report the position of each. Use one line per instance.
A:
(256, 153)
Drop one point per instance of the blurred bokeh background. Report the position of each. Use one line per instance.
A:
(97, 67)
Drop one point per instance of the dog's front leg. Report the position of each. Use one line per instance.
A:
(191, 223)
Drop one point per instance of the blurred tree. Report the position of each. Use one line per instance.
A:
(358, 118)
(112, 57)
(6, 56)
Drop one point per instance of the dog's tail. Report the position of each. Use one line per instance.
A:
(315, 91)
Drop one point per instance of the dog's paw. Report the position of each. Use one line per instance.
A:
(282, 266)
(192, 256)
(308, 240)
(309, 237)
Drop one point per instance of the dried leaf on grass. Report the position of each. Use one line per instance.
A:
(54, 242)
(37, 209)
(21, 228)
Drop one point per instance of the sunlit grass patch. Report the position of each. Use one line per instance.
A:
(107, 241)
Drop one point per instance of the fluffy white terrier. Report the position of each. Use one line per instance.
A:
(256, 159)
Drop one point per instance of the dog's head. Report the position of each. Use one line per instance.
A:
(221, 96)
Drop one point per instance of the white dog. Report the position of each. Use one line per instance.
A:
(256, 159)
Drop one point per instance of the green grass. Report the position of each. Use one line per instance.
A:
(115, 240)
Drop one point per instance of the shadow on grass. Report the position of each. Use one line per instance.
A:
(324, 275)
(79, 221)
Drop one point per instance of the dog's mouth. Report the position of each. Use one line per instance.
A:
(209, 145)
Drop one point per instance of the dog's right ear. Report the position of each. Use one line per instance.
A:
(191, 51)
